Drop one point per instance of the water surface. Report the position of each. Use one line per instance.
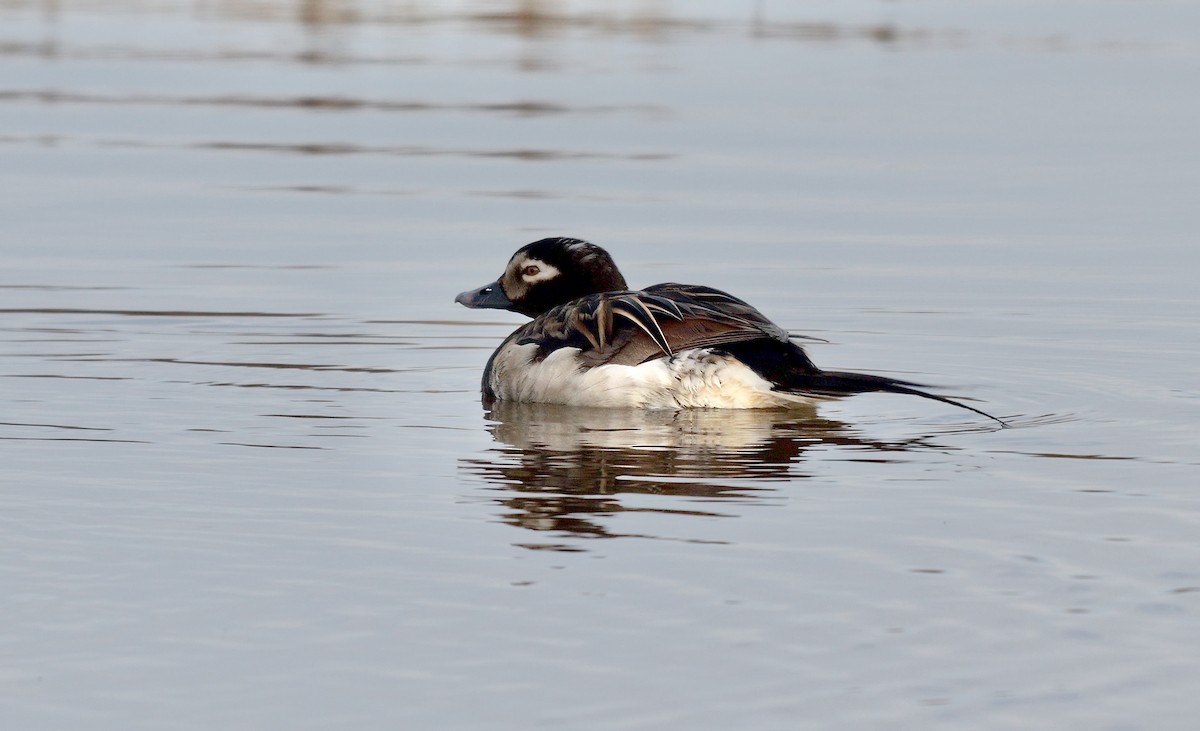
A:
(248, 480)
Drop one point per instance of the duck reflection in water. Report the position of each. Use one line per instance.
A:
(564, 469)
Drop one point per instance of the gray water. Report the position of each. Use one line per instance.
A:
(248, 482)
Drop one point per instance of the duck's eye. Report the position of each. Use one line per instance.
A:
(531, 271)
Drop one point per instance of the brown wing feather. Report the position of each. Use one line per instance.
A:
(659, 320)
(680, 317)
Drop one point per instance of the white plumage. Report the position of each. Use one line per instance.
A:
(696, 378)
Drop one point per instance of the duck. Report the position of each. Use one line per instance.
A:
(594, 342)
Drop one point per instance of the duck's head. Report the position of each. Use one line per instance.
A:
(546, 274)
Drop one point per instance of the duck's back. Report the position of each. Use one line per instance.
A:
(667, 346)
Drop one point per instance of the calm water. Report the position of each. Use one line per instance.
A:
(248, 483)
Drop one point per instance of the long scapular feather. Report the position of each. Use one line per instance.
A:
(801, 336)
(636, 311)
(663, 305)
(586, 332)
(603, 320)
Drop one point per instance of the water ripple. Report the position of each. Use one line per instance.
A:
(329, 103)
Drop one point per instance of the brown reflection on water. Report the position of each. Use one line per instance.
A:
(330, 27)
(563, 470)
(149, 313)
(328, 103)
(343, 148)
(532, 20)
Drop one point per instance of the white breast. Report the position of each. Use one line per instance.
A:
(697, 378)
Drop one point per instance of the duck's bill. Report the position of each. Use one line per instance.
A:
(489, 296)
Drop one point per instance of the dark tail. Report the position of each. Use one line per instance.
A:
(789, 368)
(836, 383)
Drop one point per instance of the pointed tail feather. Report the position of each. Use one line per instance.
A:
(789, 369)
(835, 383)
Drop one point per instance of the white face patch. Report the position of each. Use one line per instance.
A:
(533, 271)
